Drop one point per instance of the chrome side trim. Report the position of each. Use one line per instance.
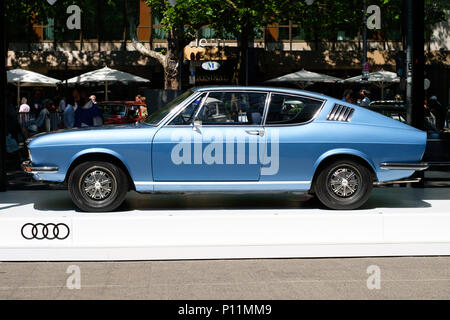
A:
(404, 166)
(397, 182)
(139, 183)
(28, 168)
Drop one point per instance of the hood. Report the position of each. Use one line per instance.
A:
(91, 135)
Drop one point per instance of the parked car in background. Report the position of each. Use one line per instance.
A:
(119, 112)
(390, 108)
(234, 139)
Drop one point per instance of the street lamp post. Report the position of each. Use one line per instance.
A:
(3, 178)
(364, 72)
(409, 59)
(415, 91)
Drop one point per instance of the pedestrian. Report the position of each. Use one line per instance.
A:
(71, 108)
(348, 96)
(54, 116)
(87, 114)
(24, 107)
(43, 119)
(62, 104)
(24, 111)
(438, 111)
(93, 99)
(364, 100)
(69, 115)
(142, 111)
(36, 103)
(398, 98)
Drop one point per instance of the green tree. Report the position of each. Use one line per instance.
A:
(241, 18)
(181, 23)
(183, 20)
(319, 19)
(31, 12)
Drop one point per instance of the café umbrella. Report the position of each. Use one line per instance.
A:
(26, 78)
(106, 75)
(381, 79)
(304, 78)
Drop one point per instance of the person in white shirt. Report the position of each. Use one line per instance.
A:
(24, 107)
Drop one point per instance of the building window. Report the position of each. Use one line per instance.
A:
(158, 31)
(49, 29)
(346, 36)
(298, 33)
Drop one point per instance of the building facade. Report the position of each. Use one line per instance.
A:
(276, 50)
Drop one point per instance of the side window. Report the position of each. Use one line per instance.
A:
(288, 109)
(186, 116)
(233, 108)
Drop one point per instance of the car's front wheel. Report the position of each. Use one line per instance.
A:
(97, 186)
(343, 184)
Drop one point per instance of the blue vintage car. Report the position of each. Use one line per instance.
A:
(234, 139)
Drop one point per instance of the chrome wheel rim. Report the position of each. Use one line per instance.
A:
(344, 182)
(98, 184)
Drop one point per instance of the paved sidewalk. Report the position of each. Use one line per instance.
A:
(401, 278)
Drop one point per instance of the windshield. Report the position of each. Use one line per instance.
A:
(154, 118)
(113, 110)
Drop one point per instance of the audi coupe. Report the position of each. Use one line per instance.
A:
(233, 139)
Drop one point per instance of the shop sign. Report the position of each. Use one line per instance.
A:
(210, 65)
(208, 43)
(211, 78)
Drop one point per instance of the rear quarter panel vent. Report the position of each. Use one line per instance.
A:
(341, 113)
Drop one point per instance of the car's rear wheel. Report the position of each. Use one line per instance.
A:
(97, 186)
(343, 184)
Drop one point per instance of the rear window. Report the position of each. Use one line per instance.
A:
(291, 110)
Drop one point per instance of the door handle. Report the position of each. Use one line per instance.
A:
(256, 132)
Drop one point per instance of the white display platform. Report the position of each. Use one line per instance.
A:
(395, 222)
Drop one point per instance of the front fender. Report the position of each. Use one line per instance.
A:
(97, 151)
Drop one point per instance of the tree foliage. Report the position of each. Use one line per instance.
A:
(38, 11)
(319, 19)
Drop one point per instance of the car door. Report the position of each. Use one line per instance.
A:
(218, 137)
(290, 135)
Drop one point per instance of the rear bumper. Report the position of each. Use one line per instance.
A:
(28, 167)
(404, 166)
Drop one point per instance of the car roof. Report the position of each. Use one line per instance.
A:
(261, 88)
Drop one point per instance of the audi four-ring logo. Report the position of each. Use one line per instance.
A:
(41, 231)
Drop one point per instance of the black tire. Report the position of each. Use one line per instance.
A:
(343, 185)
(96, 186)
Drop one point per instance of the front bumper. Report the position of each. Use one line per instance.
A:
(404, 166)
(28, 167)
